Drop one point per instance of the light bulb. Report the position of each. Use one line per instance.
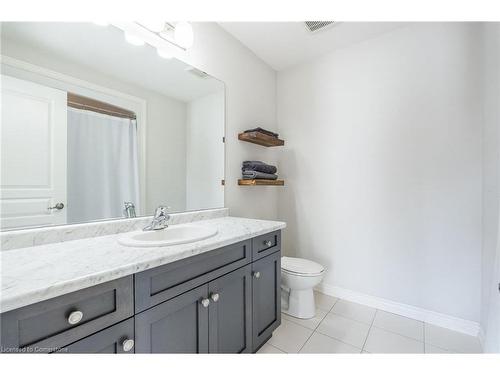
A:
(133, 39)
(164, 53)
(155, 26)
(183, 34)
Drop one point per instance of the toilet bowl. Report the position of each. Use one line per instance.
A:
(298, 278)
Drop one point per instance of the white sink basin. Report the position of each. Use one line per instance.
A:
(174, 235)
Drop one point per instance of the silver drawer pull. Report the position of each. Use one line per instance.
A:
(58, 206)
(256, 275)
(215, 297)
(128, 345)
(268, 243)
(75, 317)
(205, 302)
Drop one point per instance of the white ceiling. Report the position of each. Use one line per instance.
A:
(104, 50)
(284, 44)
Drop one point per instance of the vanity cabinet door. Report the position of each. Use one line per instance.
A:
(179, 325)
(118, 339)
(230, 312)
(266, 298)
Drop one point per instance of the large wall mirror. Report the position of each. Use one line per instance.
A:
(93, 128)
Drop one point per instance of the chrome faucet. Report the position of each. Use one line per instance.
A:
(129, 210)
(159, 220)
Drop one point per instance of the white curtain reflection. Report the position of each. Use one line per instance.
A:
(103, 167)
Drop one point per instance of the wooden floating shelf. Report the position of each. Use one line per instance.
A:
(261, 139)
(260, 182)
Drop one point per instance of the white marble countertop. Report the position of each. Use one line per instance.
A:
(34, 274)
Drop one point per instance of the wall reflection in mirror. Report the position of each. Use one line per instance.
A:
(94, 128)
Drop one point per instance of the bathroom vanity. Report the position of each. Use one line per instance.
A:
(223, 299)
(78, 272)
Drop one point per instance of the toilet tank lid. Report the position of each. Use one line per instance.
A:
(300, 265)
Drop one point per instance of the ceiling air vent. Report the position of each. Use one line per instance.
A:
(314, 26)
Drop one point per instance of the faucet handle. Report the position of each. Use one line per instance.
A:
(128, 204)
(160, 219)
(162, 211)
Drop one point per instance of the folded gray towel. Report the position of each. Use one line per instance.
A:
(250, 175)
(263, 131)
(259, 166)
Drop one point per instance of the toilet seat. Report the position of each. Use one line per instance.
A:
(301, 267)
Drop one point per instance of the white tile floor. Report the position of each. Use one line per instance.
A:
(345, 327)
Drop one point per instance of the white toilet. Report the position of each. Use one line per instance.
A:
(298, 278)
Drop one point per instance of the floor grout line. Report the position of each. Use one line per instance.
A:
(369, 330)
(316, 328)
(304, 344)
(275, 347)
(335, 338)
(336, 300)
(423, 327)
(397, 334)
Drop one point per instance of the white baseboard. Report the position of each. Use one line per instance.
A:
(442, 320)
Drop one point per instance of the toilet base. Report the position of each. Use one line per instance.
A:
(301, 304)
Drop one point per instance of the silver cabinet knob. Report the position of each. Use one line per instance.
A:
(75, 317)
(58, 206)
(128, 345)
(256, 274)
(268, 243)
(215, 297)
(205, 302)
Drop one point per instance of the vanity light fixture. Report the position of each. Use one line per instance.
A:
(178, 33)
(164, 41)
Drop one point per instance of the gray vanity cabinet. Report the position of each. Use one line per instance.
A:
(223, 301)
(266, 297)
(230, 312)
(179, 325)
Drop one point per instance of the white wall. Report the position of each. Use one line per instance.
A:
(205, 152)
(490, 304)
(166, 154)
(383, 166)
(250, 101)
(165, 135)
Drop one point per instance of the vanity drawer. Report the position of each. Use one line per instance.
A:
(165, 282)
(118, 339)
(266, 244)
(45, 326)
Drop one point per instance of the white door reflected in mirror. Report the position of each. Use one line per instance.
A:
(33, 144)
